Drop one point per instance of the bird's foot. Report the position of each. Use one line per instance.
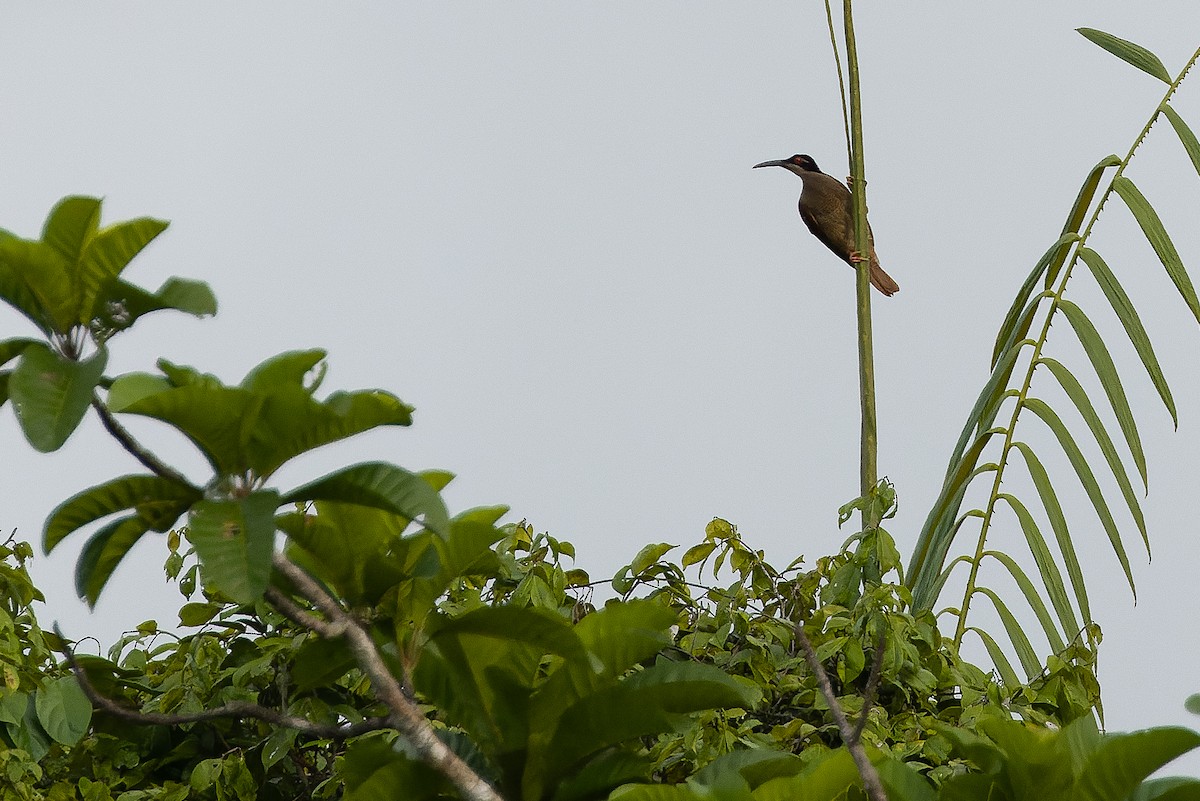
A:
(856, 257)
(850, 181)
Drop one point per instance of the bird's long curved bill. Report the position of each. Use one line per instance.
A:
(776, 163)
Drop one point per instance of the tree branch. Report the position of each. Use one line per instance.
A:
(406, 717)
(122, 435)
(850, 734)
(235, 709)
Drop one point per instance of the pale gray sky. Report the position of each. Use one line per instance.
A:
(537, 222)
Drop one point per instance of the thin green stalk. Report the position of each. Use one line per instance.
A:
(869, 472)
(837, 62)
(1038, 344)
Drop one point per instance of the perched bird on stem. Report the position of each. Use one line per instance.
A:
(828, 210)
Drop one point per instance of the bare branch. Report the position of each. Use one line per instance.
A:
(235, 709)
(122, 435)
(300, 617)
(406, 717)
(850, 734)
(872, 685)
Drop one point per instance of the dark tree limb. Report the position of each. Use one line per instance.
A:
(235, 709)
(135, 449)
(405, 716)
(850, 734)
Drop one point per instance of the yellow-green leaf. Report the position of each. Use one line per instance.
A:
(1157, 235)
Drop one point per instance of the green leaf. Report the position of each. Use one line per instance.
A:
(1058, 523)
(63, 710)
(1051, 577)
(1008, 676)
(197, 614)
(1032, 598)
(1025, 653)
(158, 501)
(1168, 788)
(648, 555)
(543, 631)
(1157, 235)
(1087, 479)
(51, 394)
(12, 348)
(34, 280)
(1086, 192)
(109, 252)
(102, 553)
(1129, 52)
(70, 224)
(211, 417)
(1102, 361)
(119, 303)
(1077, 394)
(1129, 318)
(235, 541)
(1123, 761)
(379, 485)
(285, 370)
(937, 535)
(623, 634)
(1190, 143)
(1020, 311)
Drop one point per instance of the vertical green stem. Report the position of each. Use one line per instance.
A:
(869, 472)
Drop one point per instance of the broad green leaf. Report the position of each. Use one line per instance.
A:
(211, 417)
(1050, 574)
(1086, 192)
(1102, 361)
(1077, 394)
(290, 422)
(599, 775)
(71, 223)
(102, 553)
(379, 485)
(1129, 318)
(12, 348)
(545, 632)
(467, 547)
(235, 541)
(197, 614)
(1087, 479)
(623, 634)
(283, 370)
(1123, 761)
(1128, 52)
(108, 253)
(158, 501)
(130, 388)
(1025, 653)
(1058, 523)
(902, 781)
(1157, 235)
(63, 710)
(1168, 788)
(644, 704)
(34, 280)
(120, 303)
(1190, 143)
(373, 770)
(51, 394)
(29, 735)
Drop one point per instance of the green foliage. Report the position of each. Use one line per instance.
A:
(1017, 360)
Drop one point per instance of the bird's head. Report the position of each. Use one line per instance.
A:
(798, 164)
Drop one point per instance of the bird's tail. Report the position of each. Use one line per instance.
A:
(881, 280)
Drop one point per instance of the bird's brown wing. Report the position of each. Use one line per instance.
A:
(830, 228)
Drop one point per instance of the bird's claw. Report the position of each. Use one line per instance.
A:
(856, 257)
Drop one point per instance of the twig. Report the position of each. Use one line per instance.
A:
(235, 709)
(872, 685)
(300, 617)
(406, 717)
(122, 435)
(866, 770)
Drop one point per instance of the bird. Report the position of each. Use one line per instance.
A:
(827, 208)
